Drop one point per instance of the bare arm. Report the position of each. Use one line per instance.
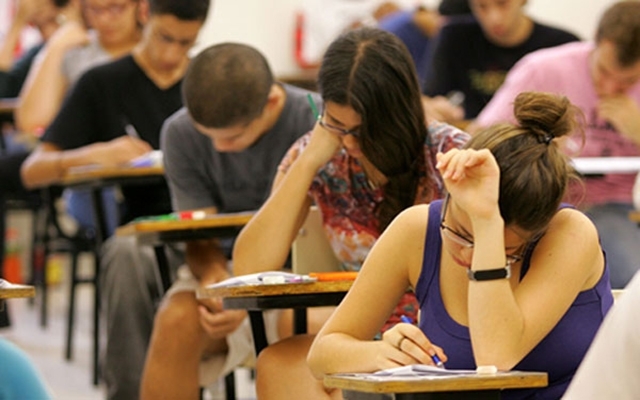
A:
(264, 243)
(525, 311)
(45, 86)
(345, 344)
(48, 163)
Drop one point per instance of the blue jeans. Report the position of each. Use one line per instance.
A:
(78, 204)
(620, 239)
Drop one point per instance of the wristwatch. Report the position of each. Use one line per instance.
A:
(490, 274)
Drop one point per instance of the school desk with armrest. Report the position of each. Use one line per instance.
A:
(449, 387)
(258, 298)
(95, 178)
(160, 230)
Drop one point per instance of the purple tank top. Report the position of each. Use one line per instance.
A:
(558, 354)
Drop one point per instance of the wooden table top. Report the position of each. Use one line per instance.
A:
(158, 231)
(284, 289)
(13, 291)
(86, 174)
(427, 384)
(212, 221)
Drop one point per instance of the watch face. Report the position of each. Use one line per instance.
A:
(490, 274)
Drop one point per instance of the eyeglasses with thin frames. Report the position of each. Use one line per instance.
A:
(113, 10)
(353, 132)
(460, 239)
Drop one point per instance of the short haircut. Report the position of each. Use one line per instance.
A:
(226, 85)
(620, 25)
(186, 10)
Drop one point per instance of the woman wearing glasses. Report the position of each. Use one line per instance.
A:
(369, 157)
(505, 274)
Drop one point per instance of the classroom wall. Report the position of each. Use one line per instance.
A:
(269, 25)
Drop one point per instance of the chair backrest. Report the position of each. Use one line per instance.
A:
(311, 251)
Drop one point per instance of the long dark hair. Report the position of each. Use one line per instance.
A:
(371, 71)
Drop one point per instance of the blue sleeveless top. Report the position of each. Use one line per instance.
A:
(558, 354)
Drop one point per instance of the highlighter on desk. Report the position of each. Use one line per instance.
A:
(435, 358)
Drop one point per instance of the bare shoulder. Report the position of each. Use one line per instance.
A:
(573, 223)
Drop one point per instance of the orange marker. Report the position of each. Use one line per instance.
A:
(334, 276)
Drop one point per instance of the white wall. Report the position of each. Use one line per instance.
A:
(269, 25)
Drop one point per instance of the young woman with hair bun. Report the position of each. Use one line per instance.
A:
(505, 273)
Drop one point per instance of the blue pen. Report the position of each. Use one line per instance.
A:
(435, 358)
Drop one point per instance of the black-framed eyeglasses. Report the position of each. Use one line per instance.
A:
(353, 132)
(462, 240)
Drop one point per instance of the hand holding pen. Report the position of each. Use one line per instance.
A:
(406, 344)
(434, 357)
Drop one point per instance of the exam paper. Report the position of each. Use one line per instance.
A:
(263, 278)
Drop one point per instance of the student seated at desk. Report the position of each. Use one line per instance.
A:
(473, 55)
(221, 152)
(135, 93)
(495, 266)
(369, 156)
(602, 78)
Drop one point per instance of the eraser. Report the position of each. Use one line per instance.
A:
(486, 370)
(273, 280)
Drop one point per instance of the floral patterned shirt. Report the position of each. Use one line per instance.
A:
(347, 202)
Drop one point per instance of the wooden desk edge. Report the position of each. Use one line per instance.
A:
(275, 290)
(17, 291)
(222, 221)
(519, 380)
(81, 175)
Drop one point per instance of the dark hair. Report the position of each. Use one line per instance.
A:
(227, 84)
(620, 25)
(185, 10)
(60, 3)
(534, 172)
(371, 71)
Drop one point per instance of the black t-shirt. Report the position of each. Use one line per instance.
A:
(465, 60)
(102, 103)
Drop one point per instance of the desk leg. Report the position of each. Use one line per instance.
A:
(163, 267)
(99, 218)
(257, 329)
(299, 321)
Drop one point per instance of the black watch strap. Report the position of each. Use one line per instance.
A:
(490, 274)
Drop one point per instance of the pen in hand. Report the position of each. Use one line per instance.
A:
(131, 131)
(435, 358)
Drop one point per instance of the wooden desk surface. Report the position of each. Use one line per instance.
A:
(456, 383)
(13, 291)
(86, 174)
(213, 221)
(155, 232)
(284, 289)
